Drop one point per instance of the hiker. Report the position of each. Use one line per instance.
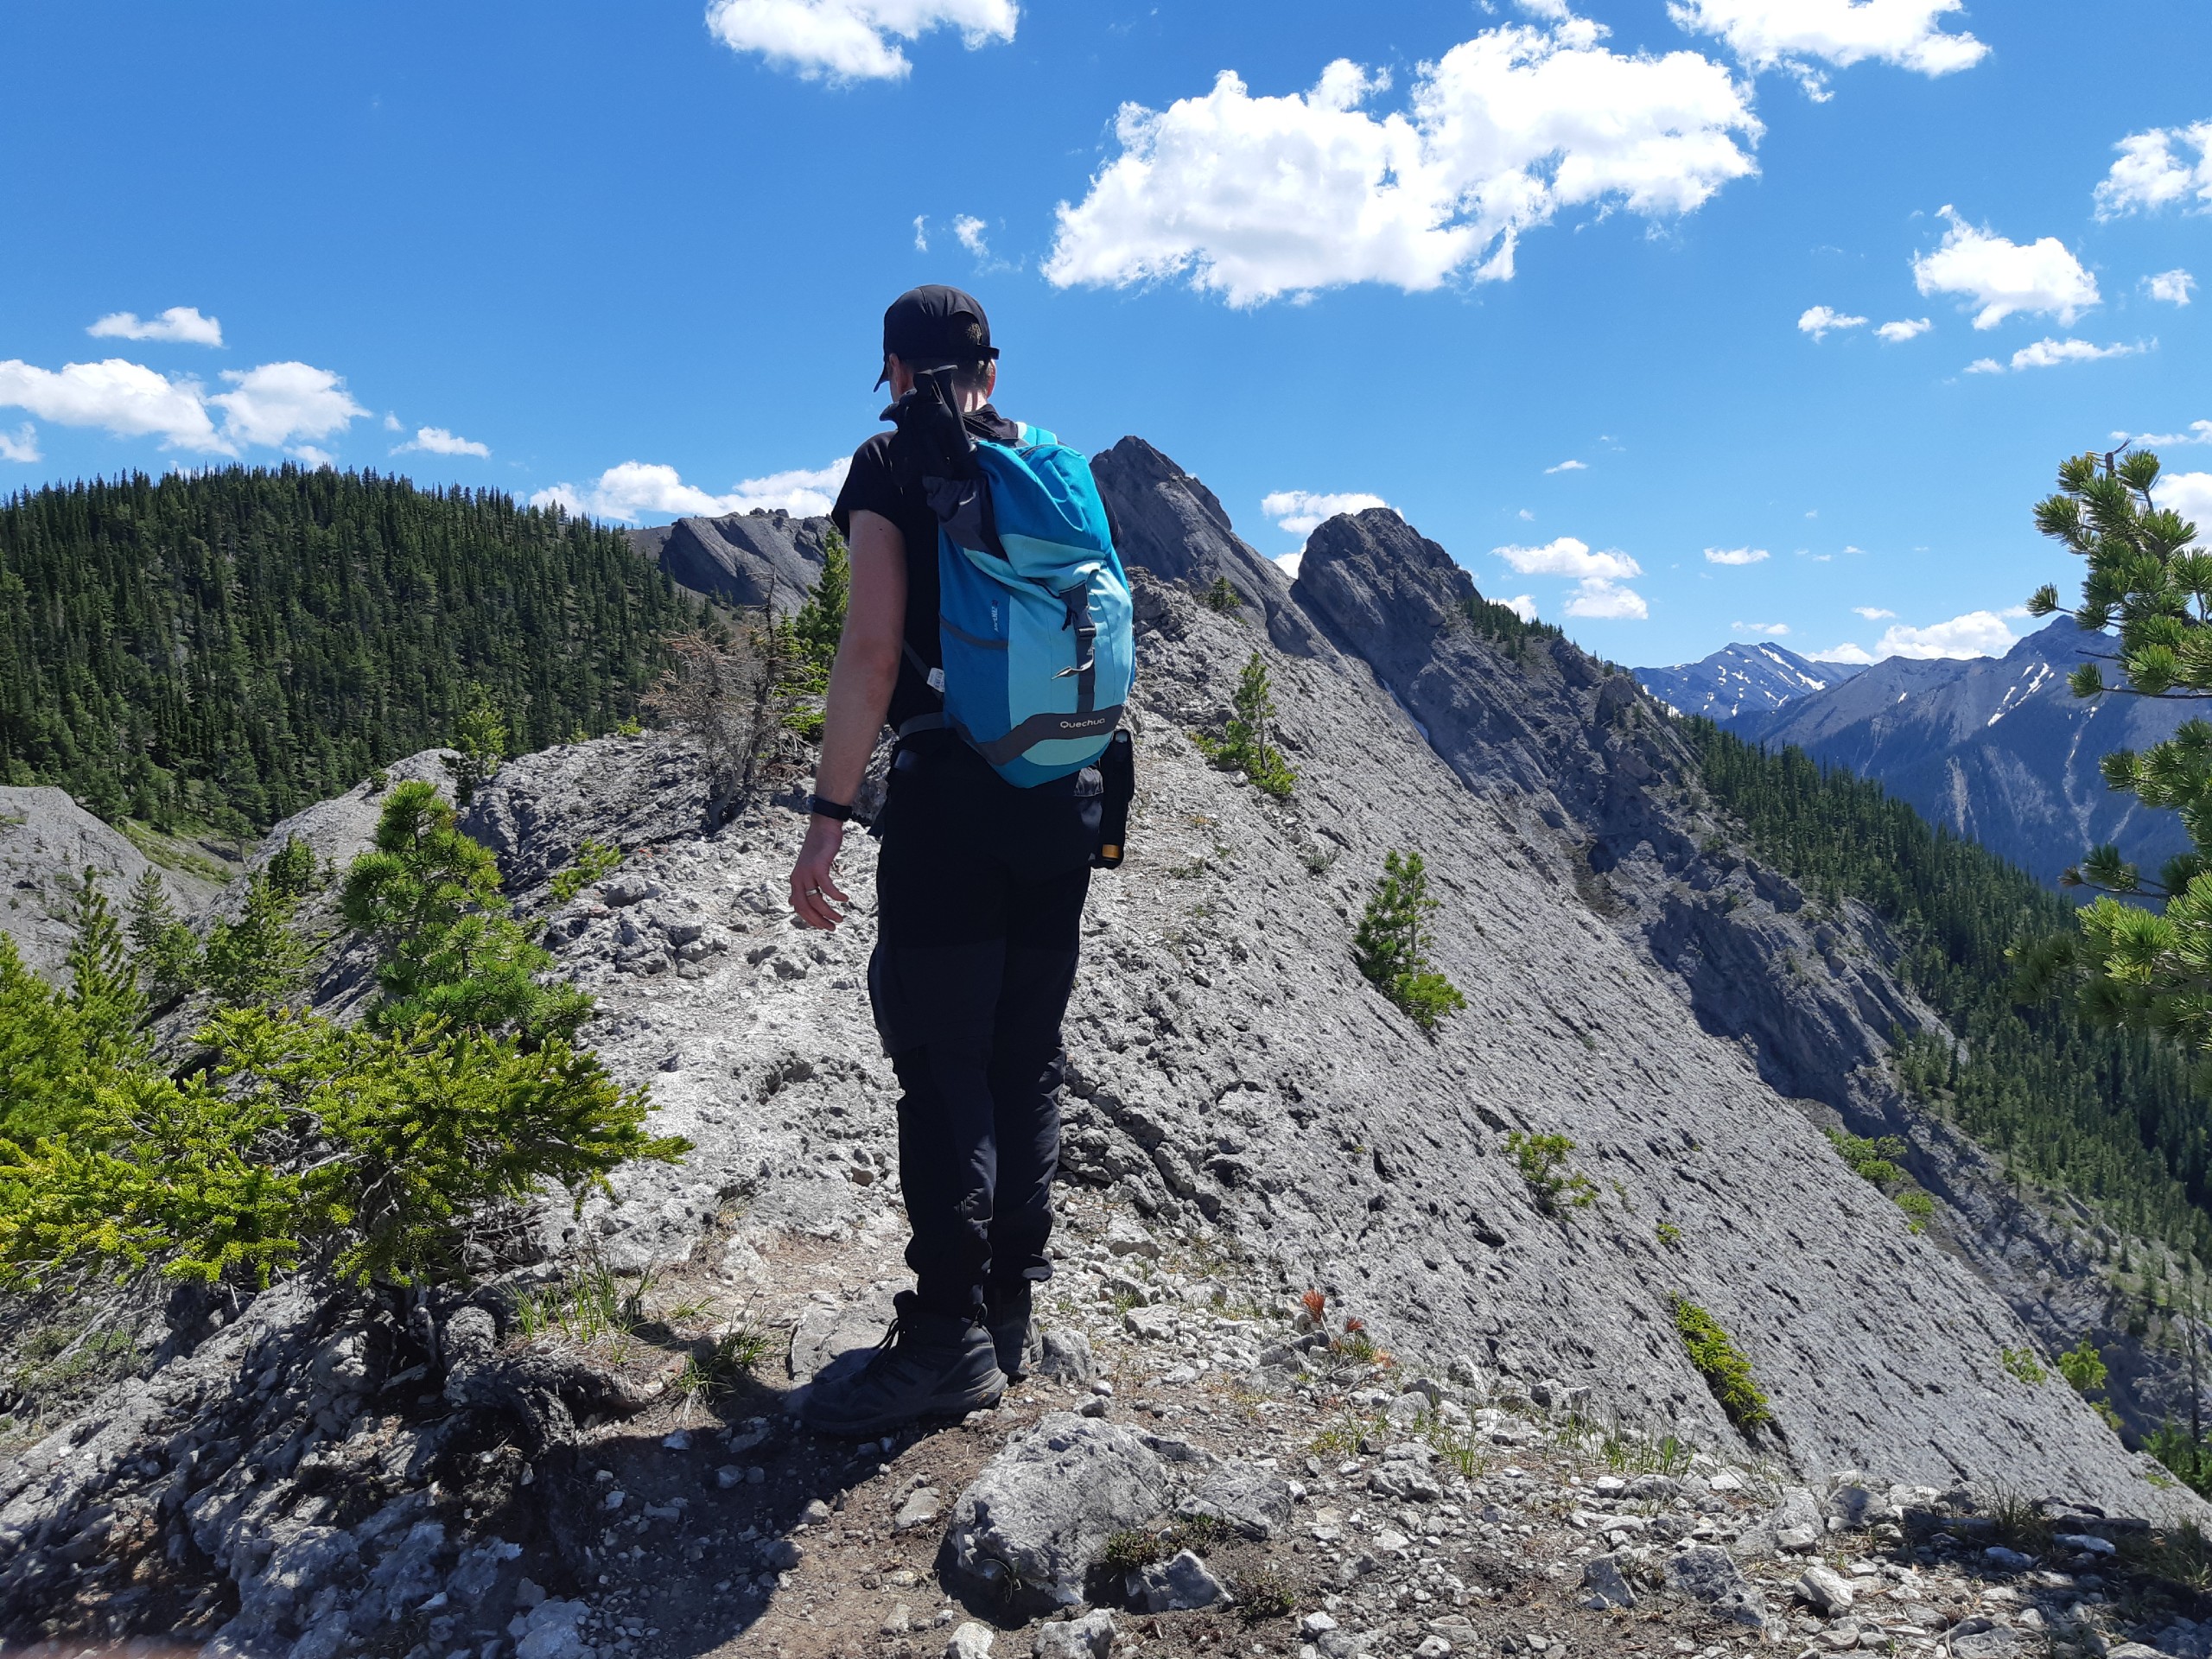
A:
(1004, 673)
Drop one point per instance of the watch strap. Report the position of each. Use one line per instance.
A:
(827, 808)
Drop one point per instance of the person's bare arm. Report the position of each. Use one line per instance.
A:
(860, 691)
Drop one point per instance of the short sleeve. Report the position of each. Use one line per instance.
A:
(868, 485)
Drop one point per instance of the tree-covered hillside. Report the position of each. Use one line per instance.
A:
(231, 647)
(2110, 1115)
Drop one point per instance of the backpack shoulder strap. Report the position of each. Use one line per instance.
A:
(1032, 436)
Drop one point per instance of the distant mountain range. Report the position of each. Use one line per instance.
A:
(1993, 747)
(1741, 680)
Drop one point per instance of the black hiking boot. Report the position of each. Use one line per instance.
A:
(928, 1365)
(1006, 1313)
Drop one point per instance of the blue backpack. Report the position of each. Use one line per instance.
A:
(1034, 614)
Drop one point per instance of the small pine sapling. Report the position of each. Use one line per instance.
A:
(1222, 597)
(1244, 746)
(1393, 942)
(1543, 1161)
(480, 744)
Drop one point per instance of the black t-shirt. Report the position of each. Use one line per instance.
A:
(872, 487)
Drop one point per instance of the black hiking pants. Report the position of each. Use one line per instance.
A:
(979, 893)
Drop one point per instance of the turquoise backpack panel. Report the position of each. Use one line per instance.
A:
(1038, 650)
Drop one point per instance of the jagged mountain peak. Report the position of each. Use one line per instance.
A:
(1741, 679)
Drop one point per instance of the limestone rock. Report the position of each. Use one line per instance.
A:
(1708, 1575)
(1177, 1585)
(971, 1641)
(1607, 1585)
(1065, 1353)
(1091, 1637)
(1253, 1503)
(1037, 1518)
(1827, 1589)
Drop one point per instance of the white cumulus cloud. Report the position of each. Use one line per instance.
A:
(1798, 35)
(2004, 277)
(921, 233)
(2173, 287)
(637, 488)
(2189, 494)
(1903, 329)
(1820, 320)
(279, 403)
(1846, 652)
(2198, 432)
(969, 230)
(436, 440)
(1522, 606)
(125, 399)
(2156, 170)
(180, 324)
(1255, 197)
(2049, 353)
(1873, 613)
(1772, 630)
(1568, 467)
(1570, 556)
(852, 40)
(21, 445)
(1735, 556)
(1606, 601)
(1290, 562)
(1978, 633)
(1300, 512)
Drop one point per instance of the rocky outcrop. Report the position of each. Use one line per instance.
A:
(1173, 526)
(765, 557)
(47, 843)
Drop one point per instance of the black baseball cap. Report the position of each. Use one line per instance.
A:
(927, 327)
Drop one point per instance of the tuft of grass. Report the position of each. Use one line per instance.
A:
(1636, 1454)
(726, 1365)
(2021, 1361)
(1670, 1234)
(592, 1306)
(1723, 1367)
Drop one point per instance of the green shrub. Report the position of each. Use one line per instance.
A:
(1221, 597)
(1543, 1165)
(1670, 1234)
(1871, 1160)
(2083, 1366)
(378, 1150)
(1393, 942)
(2021, 1361)
(1723, 1367)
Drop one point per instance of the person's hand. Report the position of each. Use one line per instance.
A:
(812, 886)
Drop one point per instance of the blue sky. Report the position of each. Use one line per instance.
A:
(639, 255)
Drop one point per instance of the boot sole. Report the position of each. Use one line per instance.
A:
(981, 1397)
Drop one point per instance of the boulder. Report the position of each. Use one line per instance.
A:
(1828, 1589)
(1037, 1518)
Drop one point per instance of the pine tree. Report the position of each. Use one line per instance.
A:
(255, 960)
(1393, 942)
(167, 954)
(479, 744)
(1244, 746)
(820, 622)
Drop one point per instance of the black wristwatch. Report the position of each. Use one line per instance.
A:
(823, 809)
